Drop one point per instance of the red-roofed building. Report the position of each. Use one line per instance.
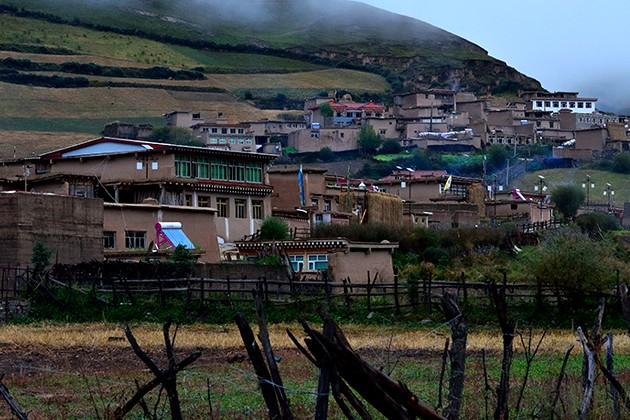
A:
(346, 112)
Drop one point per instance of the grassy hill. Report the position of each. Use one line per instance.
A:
(576, 176)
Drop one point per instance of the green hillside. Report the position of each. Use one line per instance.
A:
(577, 176)
(340, 32)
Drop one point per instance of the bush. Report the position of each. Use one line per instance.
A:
(497, 156)
(326, 154)
(621, 163)
(40, 259)
(594, 223)
(175, 135)
(436, 256)
(413, 275)
(391, 147)
(568, 199)
(326, 110)
(368, 232)
(274, 229)
(571, 260)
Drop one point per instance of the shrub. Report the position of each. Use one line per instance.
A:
(568, 199)
(326, 154)
(368, 232)
(326, 110)
(413, 275)
(571, 260)
(497, 156)
(274, 229)
(594, 223)
(40, 259)
(621, 163)
(391, 147)
(436, 256)
(175, 135)
(270, 260)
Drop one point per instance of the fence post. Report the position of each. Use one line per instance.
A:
(396, 300)
(346, 296)
(227, 288)
(463, 280)
(266, 289)
(429, 297)
(326, 287)
(114, 296)
(159, 279)
(369, 293)
(203, 291)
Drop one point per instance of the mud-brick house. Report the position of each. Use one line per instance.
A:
(340, 258)
(137, 172)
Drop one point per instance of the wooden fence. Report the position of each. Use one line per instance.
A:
(13, 279)
(374, 293)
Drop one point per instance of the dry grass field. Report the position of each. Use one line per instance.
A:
(28, 143)
(71, 371)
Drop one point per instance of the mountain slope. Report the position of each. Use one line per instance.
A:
(411, 53)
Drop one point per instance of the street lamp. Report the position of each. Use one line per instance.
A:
(542, 189)
(587, 184)
(610, 193)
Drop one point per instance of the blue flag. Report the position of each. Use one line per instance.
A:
(301, 186)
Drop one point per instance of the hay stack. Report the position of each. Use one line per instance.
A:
(383, 208)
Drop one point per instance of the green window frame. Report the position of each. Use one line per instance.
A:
(182, 166)
(318, 262)
(254, 173)
(201, 168)
(219, 170)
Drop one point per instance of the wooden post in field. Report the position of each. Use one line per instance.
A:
(429, 292)
(369, 293)
(463, 281)
(614, 395)
(202, 290)
(396, 299)
(346, 295)
(327, 290)
(15, 408)
(159, 279)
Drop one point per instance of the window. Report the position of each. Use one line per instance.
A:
(214, 140)
(580, 104)
(201, 168)
(564, 104)
(182, 166)
(223, 209)
(196, 116)
(215, 130)
(556, 104)
(315, 202)
(224, 131)
(327, 205)
(254, 173)
(547, 104)
(135, 239)
(341, 135)
(317, 262)
(382, 131)
(539, 104)
(258, 209)
(241, 131)
(232, 141)
(109, 240)
(188, 200)
(203, 201)
(232, 130)
(139, 165)
(240, 207)
(589, 105)
(219, 170)
(236, 172)
(297, 262)
(571, 104)
(155, 165)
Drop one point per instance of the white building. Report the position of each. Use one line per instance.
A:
(555, 104)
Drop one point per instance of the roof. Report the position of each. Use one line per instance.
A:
(342, 106)
(101, 146)
(331, 244)
(293, 169)
(402, 175)
(147, 206)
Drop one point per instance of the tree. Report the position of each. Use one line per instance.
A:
(568, 199)
(182, 258)
(596, 223)
(420, 160)
(40, 259)
(497, 156)
(326, 110)
(175, 135)
(274, 229)
(369, 141)
(326, 154)
(391, 147)
(621, 163)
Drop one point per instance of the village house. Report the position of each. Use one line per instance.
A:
(346, 112)
(430, 201)
(556, 101)
(314, 139)
(339, 258)
(137, 172)
(518, 207)
(329, 199)
(274, 131)
(237, 136)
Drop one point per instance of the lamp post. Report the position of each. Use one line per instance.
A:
(541, 188)
(587, 184)
(610, 193)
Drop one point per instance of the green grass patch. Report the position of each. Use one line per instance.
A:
(577, 176)
(392, 157)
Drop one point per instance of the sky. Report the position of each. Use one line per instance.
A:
(574, 45)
